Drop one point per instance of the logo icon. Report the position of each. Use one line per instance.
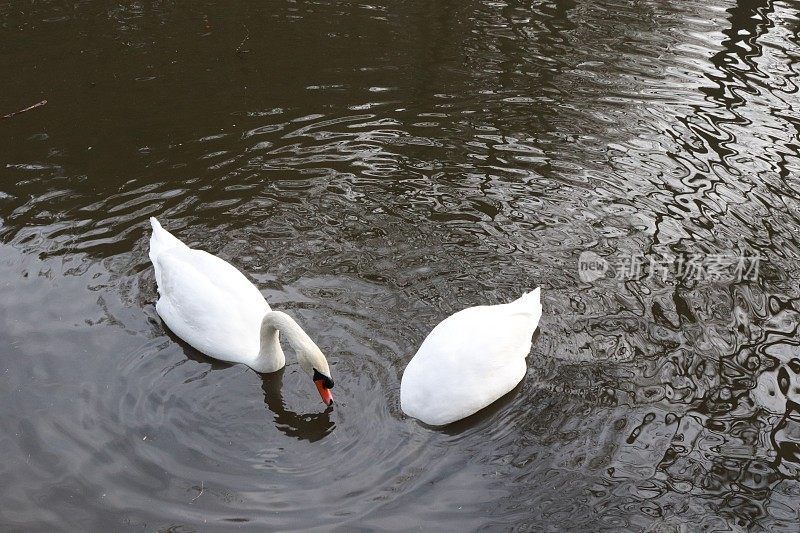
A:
(591, 267)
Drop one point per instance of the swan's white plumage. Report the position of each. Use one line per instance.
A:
(469, 360)
(205, 300)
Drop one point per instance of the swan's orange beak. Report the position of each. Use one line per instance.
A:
(327, 397)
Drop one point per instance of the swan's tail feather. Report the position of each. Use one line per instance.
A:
(531, 301)
(160, 241)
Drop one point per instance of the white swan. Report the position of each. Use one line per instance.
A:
(212, 306)
(469, 360)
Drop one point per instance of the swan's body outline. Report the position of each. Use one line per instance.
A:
(213, 307)
(470, 360)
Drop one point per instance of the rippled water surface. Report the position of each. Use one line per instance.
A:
(374, 168)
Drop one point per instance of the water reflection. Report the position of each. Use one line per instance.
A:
(311, 427)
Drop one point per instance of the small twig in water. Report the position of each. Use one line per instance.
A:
(34, 106)
(247, 36)
(199, 493)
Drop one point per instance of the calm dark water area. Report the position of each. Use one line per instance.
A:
(375, 168)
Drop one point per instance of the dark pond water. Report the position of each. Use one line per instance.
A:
(376, 167)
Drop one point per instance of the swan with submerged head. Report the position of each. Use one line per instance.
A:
(470, 360)
(212, 306)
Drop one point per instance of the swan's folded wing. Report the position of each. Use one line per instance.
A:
(197, 307)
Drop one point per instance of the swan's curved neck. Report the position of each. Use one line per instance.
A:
(270, 356)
